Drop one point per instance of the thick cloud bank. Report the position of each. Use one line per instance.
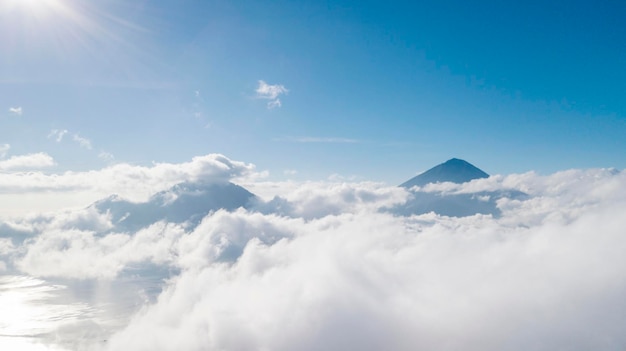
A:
(323, 266)
(25, 191)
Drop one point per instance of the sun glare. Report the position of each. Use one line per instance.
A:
(54, 27)
(38, 7)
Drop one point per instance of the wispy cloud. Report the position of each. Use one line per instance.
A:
(83, 142)
(106, 156)
(274, 103)
(30, 161)
(318, 140)
(271, 92)
(3, 149)
(57, 134)
(16, 111)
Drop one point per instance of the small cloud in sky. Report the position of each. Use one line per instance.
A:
(3, 149)
(106, 156)
(16, 111)
(274, 103)
(29, 161)
(290, 172)
(271, 92)
(83, 142)
(336, 177)
(57, 134)
(318, 140)
(197, 93)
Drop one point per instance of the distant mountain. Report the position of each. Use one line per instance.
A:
(453, 170)
(184, 202)
(453, 205)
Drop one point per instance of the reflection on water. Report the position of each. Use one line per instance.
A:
(29, 312)
(37, 314)
(27, 309)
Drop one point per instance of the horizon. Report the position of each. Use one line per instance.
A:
(34, 192)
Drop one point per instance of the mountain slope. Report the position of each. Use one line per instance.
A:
(181, 203)
(453, 170)
(450, 204)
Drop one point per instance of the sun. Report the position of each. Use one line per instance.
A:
(54, 36)
(36, 27)
(31, 8)
(28, 4)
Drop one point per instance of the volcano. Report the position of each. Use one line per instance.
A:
(453, 170)
(184, 202)
(452, 204)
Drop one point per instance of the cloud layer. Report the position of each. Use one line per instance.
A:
(323, 266)
(133, 182)
(24, 162)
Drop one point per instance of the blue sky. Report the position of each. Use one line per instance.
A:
(370, 90)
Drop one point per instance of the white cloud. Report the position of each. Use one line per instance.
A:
(83, 142)
(316, 200)
(268, 91)
(374, 281)
(30, 161)
(80, 254)
(321, 268)
(16, 111)
(364, 280)
(274, 103)
(336, 177)
(106, 156)
(6, 246)
(271, 92)
(3, 149)
(57, 134)
(129, 181)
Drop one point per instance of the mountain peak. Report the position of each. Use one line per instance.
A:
(454, 170)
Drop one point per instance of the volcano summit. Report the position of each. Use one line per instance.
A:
(453, 170)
